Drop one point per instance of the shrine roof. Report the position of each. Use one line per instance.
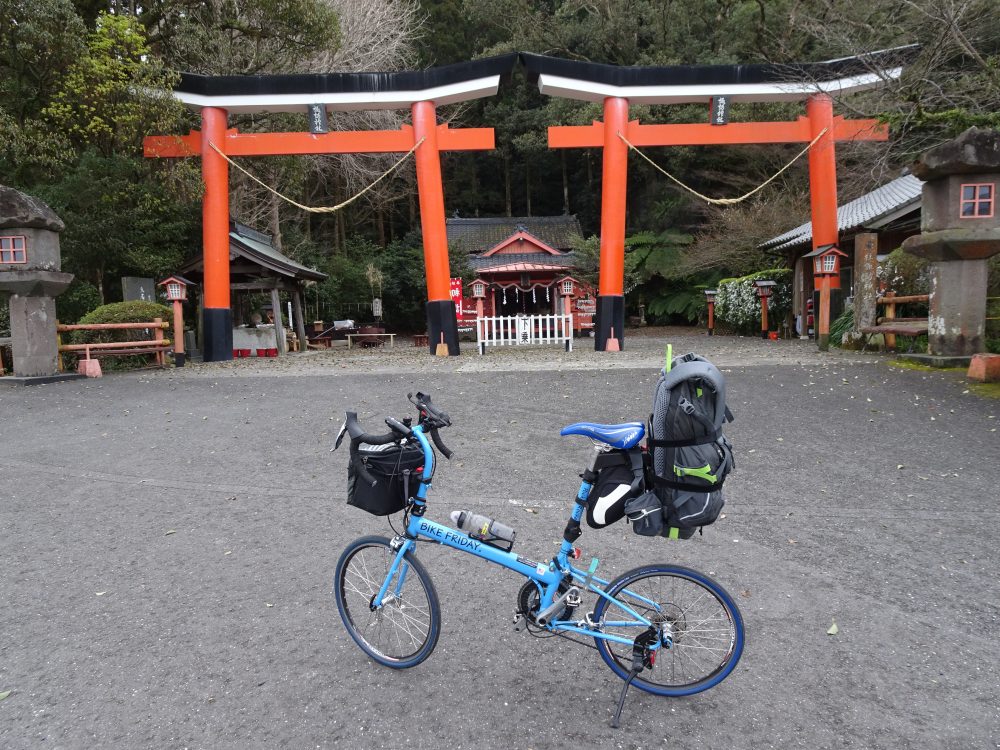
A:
(477, 235)
(871, 211)
(523, 262)
(679, 84)
(256, 247)
(446, 84)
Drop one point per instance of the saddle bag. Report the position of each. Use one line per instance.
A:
(620, 477)
(394, 468)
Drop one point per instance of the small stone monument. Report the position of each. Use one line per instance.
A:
(960, 230)
(30, 277)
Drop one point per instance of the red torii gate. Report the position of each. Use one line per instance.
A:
(218, 96)
(717, 86)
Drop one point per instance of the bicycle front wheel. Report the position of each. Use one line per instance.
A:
(404, 630)
(702, 621)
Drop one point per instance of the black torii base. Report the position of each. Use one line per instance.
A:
(609, 323)
(442, 326)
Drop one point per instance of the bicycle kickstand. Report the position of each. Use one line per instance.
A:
(642, 658)
(616, 719)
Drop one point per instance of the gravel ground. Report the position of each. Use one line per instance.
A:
(169, 540)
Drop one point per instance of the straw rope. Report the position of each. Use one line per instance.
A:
(320, 209)
(727, 201)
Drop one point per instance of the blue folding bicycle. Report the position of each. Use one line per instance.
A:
(666, 629)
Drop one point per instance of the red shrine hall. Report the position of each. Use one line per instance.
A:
(523, 266)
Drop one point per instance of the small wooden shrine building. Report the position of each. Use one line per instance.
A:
(256, 267)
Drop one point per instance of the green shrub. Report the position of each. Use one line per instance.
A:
(121, 312)
(904, 274)
(738, 306)
(80, 298)
(843, 324)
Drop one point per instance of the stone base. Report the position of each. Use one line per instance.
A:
(934, 360)
(15, 380)
(90, 368)
(985, 368)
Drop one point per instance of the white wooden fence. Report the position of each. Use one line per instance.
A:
(524, 330)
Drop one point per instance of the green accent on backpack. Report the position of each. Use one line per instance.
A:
(702, 473)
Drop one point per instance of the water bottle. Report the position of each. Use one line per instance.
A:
(483, 528)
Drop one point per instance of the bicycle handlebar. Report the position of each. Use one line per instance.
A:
(431, 418)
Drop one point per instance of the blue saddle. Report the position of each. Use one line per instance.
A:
(622, 436)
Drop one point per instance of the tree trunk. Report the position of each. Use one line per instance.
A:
(527, 183)
(565, 178)
(274, 219)
(506, 183)
(380, 224)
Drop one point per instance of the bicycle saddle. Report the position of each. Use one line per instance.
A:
(622, 436)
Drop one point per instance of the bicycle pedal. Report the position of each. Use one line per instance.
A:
(573, 599)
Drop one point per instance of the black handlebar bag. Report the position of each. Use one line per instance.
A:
(394, 468)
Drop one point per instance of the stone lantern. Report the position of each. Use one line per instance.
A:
(960, 230)
(31, 276)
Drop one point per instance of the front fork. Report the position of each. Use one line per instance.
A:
(398, 570)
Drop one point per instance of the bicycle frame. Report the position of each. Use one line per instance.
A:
(547, 575)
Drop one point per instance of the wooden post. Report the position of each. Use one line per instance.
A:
(158, 337)
(300, 323)
(279, 327)
(890, 314)
(763, 317)
(865, 280)
(178, 334)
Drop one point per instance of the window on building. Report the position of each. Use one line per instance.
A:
(977, 200)
(12, 250)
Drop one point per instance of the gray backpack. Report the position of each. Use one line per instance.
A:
(690, 456)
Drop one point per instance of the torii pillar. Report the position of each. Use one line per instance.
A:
(219, 96)
(719, 86)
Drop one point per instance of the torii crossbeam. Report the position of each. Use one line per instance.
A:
(420, 92)
(718, 86)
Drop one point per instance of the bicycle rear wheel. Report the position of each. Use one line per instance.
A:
(703, 620)
(404, 630)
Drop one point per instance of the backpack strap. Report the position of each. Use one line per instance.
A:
(661, 482)
(653, 443)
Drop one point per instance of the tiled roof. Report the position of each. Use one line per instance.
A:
(480, 234)
(536, 260)
(257, 247)
(870, 210)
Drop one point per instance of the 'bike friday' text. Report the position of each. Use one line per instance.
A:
(449, 536)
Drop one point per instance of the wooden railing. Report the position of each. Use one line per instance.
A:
(514, 330)
(889, 326)
(156, 346)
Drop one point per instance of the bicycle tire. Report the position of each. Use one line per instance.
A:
(708, 636)
(409, 623)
